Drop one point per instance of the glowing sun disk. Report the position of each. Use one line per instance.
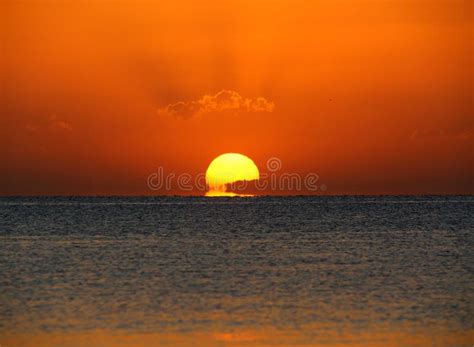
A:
(229, 168)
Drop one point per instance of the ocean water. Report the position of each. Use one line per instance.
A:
(155, 271)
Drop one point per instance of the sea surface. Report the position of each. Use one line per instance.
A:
(262, 271)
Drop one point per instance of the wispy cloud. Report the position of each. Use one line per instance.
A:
(61, 124)
(459, 131)
(50, 123)
(223, 101)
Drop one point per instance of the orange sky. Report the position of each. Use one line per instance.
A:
(375, 96)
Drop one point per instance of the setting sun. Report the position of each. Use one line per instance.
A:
(229, 168)
(236, 173)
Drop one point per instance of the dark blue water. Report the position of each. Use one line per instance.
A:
(198, 264)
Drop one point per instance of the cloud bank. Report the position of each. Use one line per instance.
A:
(223, 101)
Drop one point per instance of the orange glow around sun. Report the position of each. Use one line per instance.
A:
(375, 97)
(229, 168)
